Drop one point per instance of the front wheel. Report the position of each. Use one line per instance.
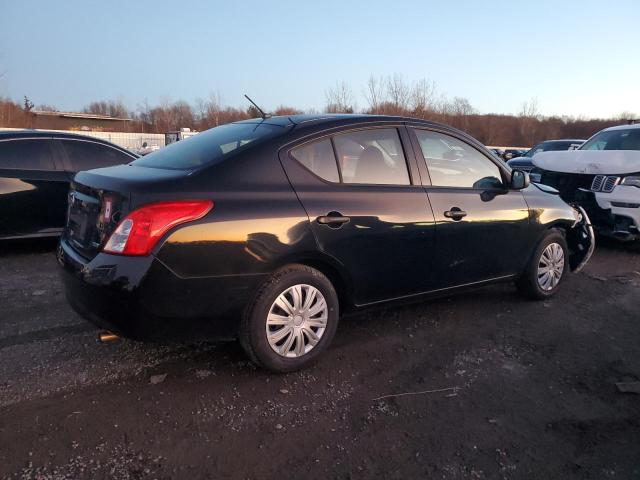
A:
(292, 319)
(546, 269)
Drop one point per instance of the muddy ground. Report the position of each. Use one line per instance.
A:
(510, 389)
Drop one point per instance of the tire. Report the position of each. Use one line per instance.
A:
(280, 306)
(533, 284)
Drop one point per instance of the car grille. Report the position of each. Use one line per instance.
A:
(603, 183)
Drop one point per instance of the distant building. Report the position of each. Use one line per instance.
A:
(84, 122)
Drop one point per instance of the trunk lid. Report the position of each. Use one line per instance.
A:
(99, 199)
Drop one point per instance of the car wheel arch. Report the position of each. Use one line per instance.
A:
(330, 268)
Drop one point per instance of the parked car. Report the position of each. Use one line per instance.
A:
(510, 153)
(524, 162)
(603, 176)
(269, 229)
(36, 168)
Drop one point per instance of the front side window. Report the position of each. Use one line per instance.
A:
(372, 157)
(209, 147)
(26, 154)
(454, 163)
(319, 158)
(88, 155)
(624, 139)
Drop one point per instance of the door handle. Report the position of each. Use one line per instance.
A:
(455, 213)
(333, 220)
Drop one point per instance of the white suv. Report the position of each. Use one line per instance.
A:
(603, 175)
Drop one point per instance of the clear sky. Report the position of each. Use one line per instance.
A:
(575, 57)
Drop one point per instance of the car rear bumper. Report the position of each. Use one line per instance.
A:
(141, 298)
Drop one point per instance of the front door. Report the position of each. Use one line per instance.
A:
(481, 224)
(367, 209)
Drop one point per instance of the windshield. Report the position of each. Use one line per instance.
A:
(208, 147)
(624, 139)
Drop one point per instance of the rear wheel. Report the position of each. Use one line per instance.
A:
(292, 320)
(546, 268)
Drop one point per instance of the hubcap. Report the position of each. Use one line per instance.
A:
(297, 320)
(550, 266)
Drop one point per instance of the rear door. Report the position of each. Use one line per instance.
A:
(33, 192)
(482, 226)
(367, 209)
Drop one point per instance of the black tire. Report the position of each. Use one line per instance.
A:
(527, 283)
(252, 334)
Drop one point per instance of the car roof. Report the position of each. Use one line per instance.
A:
(29, 133)
(565, 140)
(313, 123)
(622, 127)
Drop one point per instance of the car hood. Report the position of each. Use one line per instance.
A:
(594, 162)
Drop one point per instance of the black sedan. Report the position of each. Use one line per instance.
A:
(36, 168)
(268, 229)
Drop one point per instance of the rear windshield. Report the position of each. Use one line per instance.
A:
(624, 139)
(209, 147)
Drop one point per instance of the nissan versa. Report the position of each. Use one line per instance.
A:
(268, 229)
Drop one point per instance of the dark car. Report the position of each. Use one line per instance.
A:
(510, 153)
(36, 168)
(269, 229)
(524, 162)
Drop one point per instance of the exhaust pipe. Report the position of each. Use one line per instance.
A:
(107, 337)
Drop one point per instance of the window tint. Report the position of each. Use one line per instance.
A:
(319, 158)
(210, 147)
(88, 155)
(453, 163)
(26, 154)
(372, 156)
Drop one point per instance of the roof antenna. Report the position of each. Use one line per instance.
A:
(262, 114)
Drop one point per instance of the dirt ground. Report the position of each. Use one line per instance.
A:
(496, 387)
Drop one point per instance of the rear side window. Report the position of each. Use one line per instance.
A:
(87, 155)
(26, 154)
(372, 156)
(210, 147)
(454, 163)
(319, 158)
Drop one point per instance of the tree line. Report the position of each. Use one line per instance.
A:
(391, 95)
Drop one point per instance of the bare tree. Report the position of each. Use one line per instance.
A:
(340, 99)
(530, 109)
(375, 94)
(423, 97)
(398, 93)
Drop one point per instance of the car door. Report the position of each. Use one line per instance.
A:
(481, 225)
(33, 192)
(367, 209)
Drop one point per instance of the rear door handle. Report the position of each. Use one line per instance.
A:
(333, 220)
(455, 213)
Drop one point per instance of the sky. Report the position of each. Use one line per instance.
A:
(577, 58)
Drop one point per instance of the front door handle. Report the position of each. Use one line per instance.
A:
(455, 213)
(333, 220)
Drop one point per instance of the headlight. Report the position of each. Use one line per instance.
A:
(633, 181)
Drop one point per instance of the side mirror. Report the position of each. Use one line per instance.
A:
(519, 180)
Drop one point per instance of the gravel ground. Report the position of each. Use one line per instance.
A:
(492, 386)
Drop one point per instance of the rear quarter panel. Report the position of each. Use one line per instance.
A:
(255, 226)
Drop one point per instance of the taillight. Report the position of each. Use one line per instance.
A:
(139, 232)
